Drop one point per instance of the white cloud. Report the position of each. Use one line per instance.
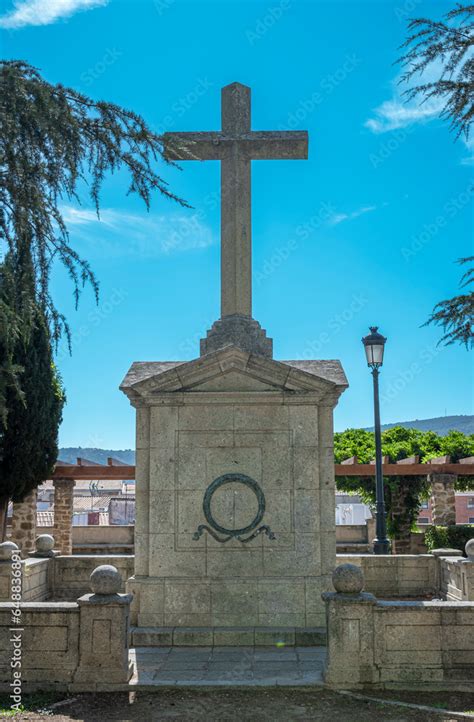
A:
(398, 113)
(44, 12)
(337, 218)
(139, 235)
(394, 114)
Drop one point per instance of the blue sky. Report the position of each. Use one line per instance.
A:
(366, 231)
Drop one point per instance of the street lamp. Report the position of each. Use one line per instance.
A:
(374, 345)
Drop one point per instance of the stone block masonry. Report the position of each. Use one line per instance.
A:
(398, 645)
(63, 513)
(443, 500)
(68, 646)
(23, 532)
(233, 413)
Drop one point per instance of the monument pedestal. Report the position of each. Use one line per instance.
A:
(235, 495)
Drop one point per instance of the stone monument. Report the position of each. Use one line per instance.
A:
(235, 493)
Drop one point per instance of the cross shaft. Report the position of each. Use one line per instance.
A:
(235, 146)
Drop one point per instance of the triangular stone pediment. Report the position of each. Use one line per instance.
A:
(230, 370)
(235, 381)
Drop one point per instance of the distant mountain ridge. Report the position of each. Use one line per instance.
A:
(100, 456)
(440, 424)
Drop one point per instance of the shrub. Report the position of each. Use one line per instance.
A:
(455, 536)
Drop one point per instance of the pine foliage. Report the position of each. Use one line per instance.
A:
(53, 140)
(456, 315)
(450, 43)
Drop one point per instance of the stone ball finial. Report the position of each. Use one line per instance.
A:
(106, 579)
(469, 548)
(348, 579)
(44, 543)
(6, 550)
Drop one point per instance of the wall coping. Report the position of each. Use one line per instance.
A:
(393, 557)
(40, 606)
(425, 605)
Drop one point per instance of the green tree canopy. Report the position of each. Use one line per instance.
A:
(399, 443)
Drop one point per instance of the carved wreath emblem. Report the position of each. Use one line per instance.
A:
(239, 534)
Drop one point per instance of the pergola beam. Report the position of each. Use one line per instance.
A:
(94, 472)
(404, 467)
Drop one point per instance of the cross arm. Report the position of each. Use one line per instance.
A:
(193, 146)
(277, 145)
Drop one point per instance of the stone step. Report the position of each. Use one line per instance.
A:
(278, 637)
(226, 667)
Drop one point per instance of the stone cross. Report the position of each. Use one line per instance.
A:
(235, 146)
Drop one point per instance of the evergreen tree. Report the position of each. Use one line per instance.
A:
(55, 144)
(29, 440)
(9, 333)
(448, 45)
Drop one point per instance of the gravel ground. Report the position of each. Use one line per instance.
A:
(256, 704)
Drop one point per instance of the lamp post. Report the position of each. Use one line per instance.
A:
(374, 345)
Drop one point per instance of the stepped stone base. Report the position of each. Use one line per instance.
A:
(241, 331)
(228, 636)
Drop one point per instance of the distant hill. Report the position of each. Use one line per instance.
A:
(441, 425)
(100, 456)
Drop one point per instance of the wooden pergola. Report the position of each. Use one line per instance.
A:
(114, 471)
(407, 467)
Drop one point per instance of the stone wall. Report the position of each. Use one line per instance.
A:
(456, 579)
(398, 645)
(49, 644)
(71, 646)
(36, 580)
(100, 539)
(71, 576)
(396, 576)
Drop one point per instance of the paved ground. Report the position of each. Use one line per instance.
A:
(227, 666)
